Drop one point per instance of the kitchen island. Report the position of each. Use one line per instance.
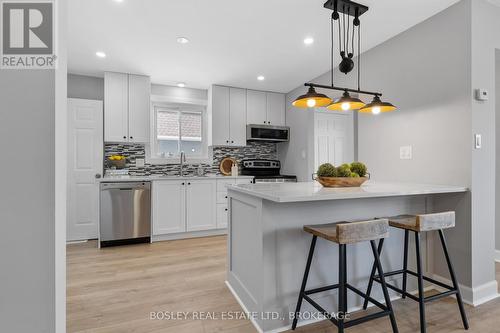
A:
(267, 249)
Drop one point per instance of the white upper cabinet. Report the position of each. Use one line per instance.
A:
(227, 116)
(139, 101)
(237, 116)
(276, 109)
(219, 110)
(126, 107)
(265, 108)
(256, 107)
(115, 107)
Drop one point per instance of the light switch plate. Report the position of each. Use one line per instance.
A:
(482, 94)
(405, 152)
(478, 142)
(139, 162)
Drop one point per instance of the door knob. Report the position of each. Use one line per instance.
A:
(97, 175)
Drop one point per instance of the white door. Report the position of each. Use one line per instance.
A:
(276, 109)
(201, 205)
(169, 207)
(115, 107)
(333, 138)
(238, 116)
(139, 102)
(220, 115)
(256, 107)
(85, 161)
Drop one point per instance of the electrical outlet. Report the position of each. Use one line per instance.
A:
(405, 153)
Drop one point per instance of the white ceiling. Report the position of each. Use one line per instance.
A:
(231, 41)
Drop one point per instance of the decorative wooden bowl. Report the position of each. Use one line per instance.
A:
(341, 181)
(119, 164)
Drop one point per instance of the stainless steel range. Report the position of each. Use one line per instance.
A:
(265, 171)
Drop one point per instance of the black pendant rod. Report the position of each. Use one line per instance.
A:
(315, 85)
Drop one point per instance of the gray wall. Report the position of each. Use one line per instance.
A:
(497, 133)
(86, 87)
(485, 39)
(425, 71)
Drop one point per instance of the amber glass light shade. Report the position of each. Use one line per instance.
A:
(346, 103)
(311, 100)
(377, 106)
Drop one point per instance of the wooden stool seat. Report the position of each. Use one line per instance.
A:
(351, 232)
(423, 222)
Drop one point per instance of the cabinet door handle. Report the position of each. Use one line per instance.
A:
(232, 141)
(124, 136)
(189, 183)
(225, 209)
(264, 121)
(225, 197)
(131, 137)
(182, 183)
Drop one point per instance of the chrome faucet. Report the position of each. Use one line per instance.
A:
(182, 161)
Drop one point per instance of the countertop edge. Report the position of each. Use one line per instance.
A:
(160, 178)
(277, 199)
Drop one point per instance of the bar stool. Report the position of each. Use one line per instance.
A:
(418, 224)
(344, 233)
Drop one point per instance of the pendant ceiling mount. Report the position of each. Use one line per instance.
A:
(346, 15)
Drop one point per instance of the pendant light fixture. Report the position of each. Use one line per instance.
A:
(312, 99)
(346, 13)
(377, 106)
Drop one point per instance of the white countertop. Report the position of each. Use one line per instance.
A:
(313, 191)
(108, 179)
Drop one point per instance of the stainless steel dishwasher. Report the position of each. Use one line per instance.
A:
(125, 213)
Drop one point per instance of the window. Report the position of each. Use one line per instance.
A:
(179, 128)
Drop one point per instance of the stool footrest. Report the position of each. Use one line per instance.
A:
(449, 292)
(320, 309)
(385, 311)
(439, 296)
(321, 289)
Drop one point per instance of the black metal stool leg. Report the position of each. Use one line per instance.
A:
(342, 287)
(384, 287)
(420, 284)
(304, 282)
(372, 274)
(405, 263)
(454, 280)
(345, 280)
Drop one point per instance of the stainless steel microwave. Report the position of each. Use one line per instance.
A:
(268, 133)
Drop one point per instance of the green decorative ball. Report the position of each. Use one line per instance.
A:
(327, 170)
(346, 165)
(354, 175)
(343, 171)
(359, 168)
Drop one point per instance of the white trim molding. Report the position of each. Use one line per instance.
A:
(497, 255)
(473, 296)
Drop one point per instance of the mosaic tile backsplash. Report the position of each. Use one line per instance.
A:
(254, 150)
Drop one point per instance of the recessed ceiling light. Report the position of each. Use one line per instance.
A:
(100, 54)
(182, 40)
(261, 78)
(118, 0)
(181, 84)
(308, 40)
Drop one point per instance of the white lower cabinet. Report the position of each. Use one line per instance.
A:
(169, 207)
(185, 206)
(200, 205)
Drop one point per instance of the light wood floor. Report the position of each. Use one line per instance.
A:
(115, 289)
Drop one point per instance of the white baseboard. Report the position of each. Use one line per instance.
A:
(497, 255)
(306, 322)
(473, 296)
(186, 235)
